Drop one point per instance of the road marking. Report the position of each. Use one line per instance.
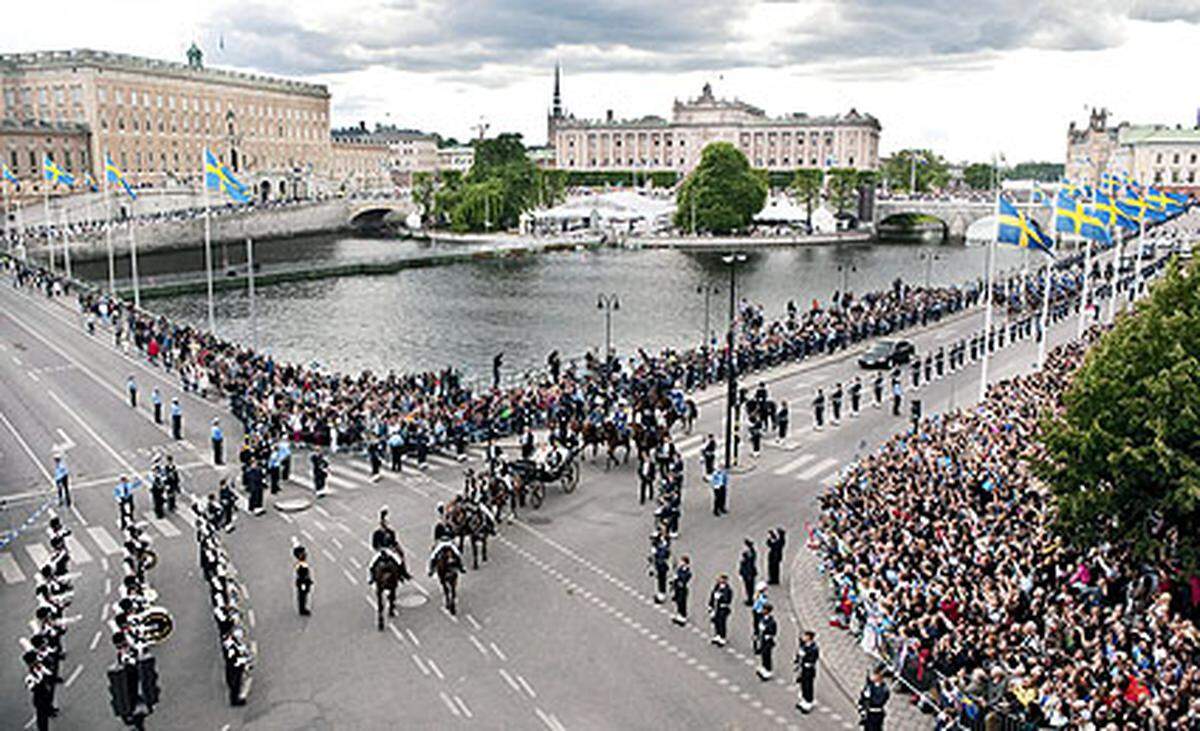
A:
(509, 679)
(33, 376)
(78, 553)
(250, 616)
(817, 469)
(350, 576)
(10, 570)
(526, 686)
(396, 631)
(433, 666)
(74, 674)
(38, 554)
(474, 623)
(478, 645)
(794, 464)
(103, 540)
(412, 637)
(327, 554)
(27, 449)
(463, 707)
(164, 526)
(320, 526)
(95, 641)
(551, 722)
(92, 432)
(496, 650)
(78, 515)
(342, 481)
(356, 563)
(421, 665)
(323, 511)
(449, 704)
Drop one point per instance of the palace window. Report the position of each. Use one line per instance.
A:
(59, 96)
(43, 96)
(133, 97)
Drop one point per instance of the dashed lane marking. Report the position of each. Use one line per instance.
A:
(449, 704)
(10, 570)
(78, 553)
(420, 665)
(509, 679)
(795, 464)
(463, 707)
(817, 469)
(433, 666)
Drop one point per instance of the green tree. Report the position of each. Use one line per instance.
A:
(551, 187)
(500, 186)
(806, 186)
(1123, 457)
(978, 176)
(931, 170)
(722, 194)
(843, 188)
(1046, 172)
(424, 192)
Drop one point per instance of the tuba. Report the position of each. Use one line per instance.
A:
(155, 624)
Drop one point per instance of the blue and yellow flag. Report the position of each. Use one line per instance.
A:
(1170, 203)
(8, 175)
(90, 182)
(1015, 229)
(1111, 214)
(114, 175)
(218, 177)
(55, 174)
(1071, 217)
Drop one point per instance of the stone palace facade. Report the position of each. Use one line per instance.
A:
(1168, 157)
(652, 143)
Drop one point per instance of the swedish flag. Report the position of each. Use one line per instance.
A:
(8, 175)
(1017, 230)
(1070, 216)
(114, 175)
(55, 174)
(1110, 213)
(1170, 203)
(218, 177)
(90, 182)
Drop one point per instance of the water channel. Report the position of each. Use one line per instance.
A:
(463, 314)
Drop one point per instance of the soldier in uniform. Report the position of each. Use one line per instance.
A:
(855, 395)
(710, 456)
(767, 632)
(720, 604)
(158, 490)
(748, 570)
(806, 670)
(941, 361)
(819, 410)
(171, 480)
(835, 403)
(679, 589)
(383, 540)
(645, 480)
(660, 564)
(872, 702)
(304, 580)
(320, 471)
(375, 455)
(775, 543)
(878, 386)
(781, 421)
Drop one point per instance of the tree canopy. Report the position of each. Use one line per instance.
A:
(979, 176)
(501, 185)
(722, 194)
(1123, 458)
(806, 186)
(931, 170)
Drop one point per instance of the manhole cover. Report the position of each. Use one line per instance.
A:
(537, 520)
(293, 504)
(411, 600)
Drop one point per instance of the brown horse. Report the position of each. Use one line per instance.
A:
(615, 439)
(386, 574)
(447, 565)
(590, 435)
(476, 523)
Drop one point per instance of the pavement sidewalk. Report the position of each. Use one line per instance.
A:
(842, 660)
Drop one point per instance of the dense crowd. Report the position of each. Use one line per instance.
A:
(941, 550)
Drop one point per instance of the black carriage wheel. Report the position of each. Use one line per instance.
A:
(537, 492)
(571, 479)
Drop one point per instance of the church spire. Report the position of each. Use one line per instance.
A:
(556, 109)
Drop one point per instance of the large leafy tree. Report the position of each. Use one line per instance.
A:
(931, 170)
(501, 185)
(424, 191)
(978, 176)
(722, 194)
(1123, 458)
(843, 188)
(806, 186)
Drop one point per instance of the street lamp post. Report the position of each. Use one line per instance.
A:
(732, 259)
(708, 290)
(610, 304)
(845, 270)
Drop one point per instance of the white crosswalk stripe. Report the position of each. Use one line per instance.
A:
(336, 479)
(691, 451)
(78, 553)
(689, 441)
(103, 540)
(818, 469)
(443, 461)
(794, 465)
(166, 527)
(38, 554)
(10, 570)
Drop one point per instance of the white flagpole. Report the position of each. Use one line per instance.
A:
(1041, 357)
(212, 318)
(987, 288)
(7, 235)
(112, 265)
(46, 222)
(1083, 287)
(62, 216)
(250, 279)
(1137, 254)
(133, 269)
(1112, 299)
(21, 232)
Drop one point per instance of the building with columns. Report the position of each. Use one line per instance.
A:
(652, 143)
(1168, 157)
(156, 117)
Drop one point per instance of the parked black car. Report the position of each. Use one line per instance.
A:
(886, 354)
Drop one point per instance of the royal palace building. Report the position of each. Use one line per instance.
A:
(652, 143)
(156, 117)
(1168, 157)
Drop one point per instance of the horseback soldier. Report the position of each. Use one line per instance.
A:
(443, 538)
(383, 541)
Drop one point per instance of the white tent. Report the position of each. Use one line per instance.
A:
(627, 209)
(982, 232)
(782, 210)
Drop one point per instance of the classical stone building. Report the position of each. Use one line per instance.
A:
(24, 144)
(652, 143)
(1168, 157)
(459, 158)
(156, 117)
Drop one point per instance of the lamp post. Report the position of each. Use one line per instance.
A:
(708, 290)
(732, 259)
(845, 270)
(929, 258)
(610, 304)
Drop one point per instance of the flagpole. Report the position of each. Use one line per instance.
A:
(133, 268)
(49, 240)
(1041, 357)
(1083, 287)
(1137, 254)
(1112, 300)
(250, 279)
(112, 266)
(212, 319)
(7, 236)
(987, 316)
(21, 232)
(62, 216)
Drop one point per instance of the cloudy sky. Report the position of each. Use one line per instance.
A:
(965, 77)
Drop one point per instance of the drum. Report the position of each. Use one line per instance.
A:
(156, 624)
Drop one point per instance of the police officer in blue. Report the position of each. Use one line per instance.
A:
(131, 385)
(176, 420)
(123, 493)
(395, 443)
(156, 400)
(62, 480)
(218, 442)
(720, 486)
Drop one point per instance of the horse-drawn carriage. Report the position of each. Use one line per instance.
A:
(534, 476)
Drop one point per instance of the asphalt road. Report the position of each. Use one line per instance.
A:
(558, 630)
